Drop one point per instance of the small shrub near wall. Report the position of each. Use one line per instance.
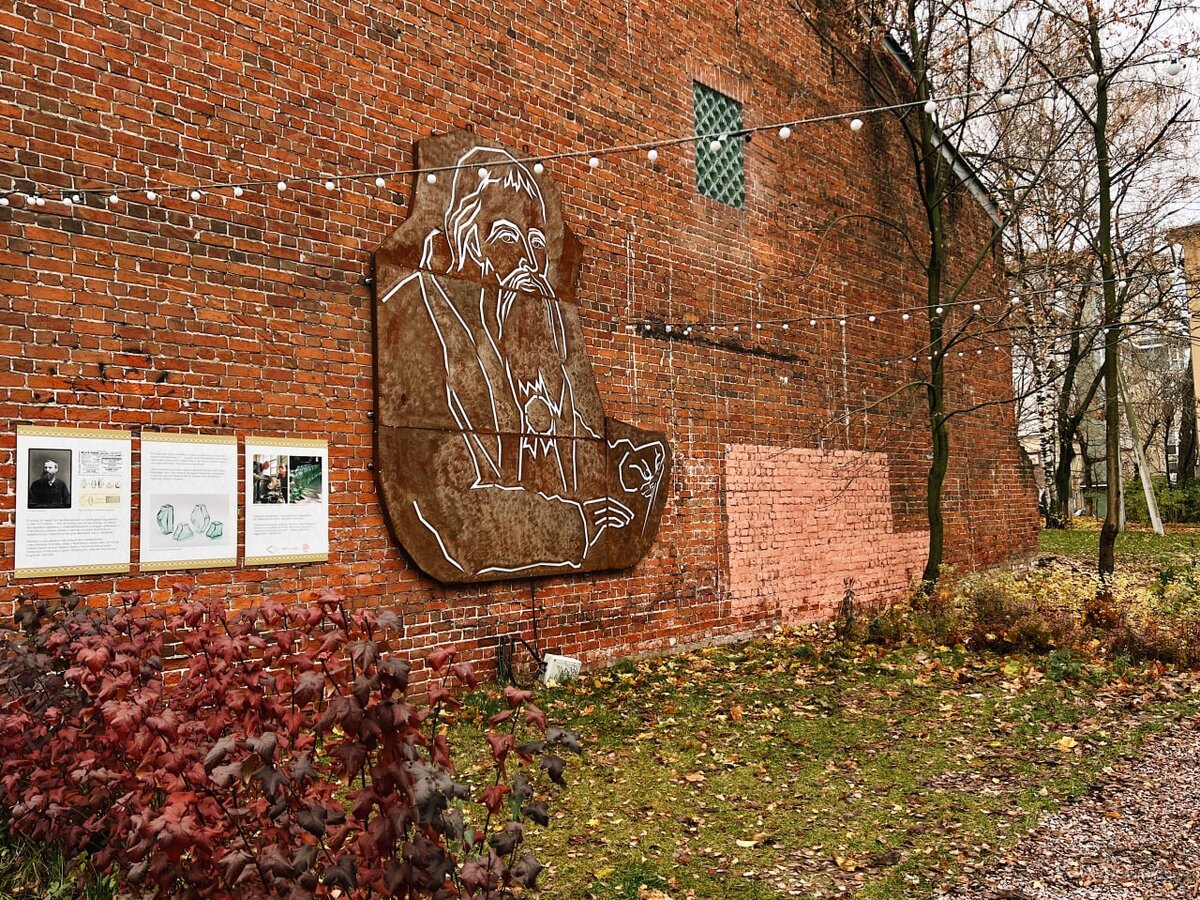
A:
(1053, 610)
(285, 755)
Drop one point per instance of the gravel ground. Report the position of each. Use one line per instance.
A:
(1135, 836)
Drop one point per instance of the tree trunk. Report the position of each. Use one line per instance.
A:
(933, 181)
(1060, 510)
(940, 441)
(1187, 431)
(1111, 317)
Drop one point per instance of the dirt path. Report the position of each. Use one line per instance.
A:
(1135, 836)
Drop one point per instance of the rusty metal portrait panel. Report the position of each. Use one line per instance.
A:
(494, 457)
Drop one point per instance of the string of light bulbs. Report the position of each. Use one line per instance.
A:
(1131, 330)
(114, 194)
(905, 313)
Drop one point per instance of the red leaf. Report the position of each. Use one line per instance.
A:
(493, 797)
(438, 658)
(500, 744)
(439, 694)
(95, 658)
(465, 674)
(440, 752)
(516, 697)
(535, 716)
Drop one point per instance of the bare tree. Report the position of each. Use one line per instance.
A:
(922, 60)
(1136, 125)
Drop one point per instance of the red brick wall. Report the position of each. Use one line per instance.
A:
(248, 315)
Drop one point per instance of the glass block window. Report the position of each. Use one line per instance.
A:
(720, 174)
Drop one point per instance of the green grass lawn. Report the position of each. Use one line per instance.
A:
(1181, 544)
(753, 771)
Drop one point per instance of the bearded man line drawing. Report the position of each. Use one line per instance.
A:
(495, 457)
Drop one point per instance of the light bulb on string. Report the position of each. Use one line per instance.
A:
(281, 185)
(785, 133)
(4, 201)
(1092, 79)
(931, 106)
(195, 194)
(1008, 98)
(812, 323)
(976, 307)
(1174, 67)
(594, 162)
(39, 200)
(483, 174)
(870, 318)
(856, 124)
(737, 328)
(330, 184)
(652, 154)
(538, 168)
(940, 310)
(905, 316)
(113, 199)
(238, 190)
(431, 178)
(842, 322)
(67, 201)
(380, 181)
(785, 326)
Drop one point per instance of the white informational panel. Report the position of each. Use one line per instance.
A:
(287, 500)
(189, 500)
(73, 501)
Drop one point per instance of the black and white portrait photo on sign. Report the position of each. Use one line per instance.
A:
(50, 479)
(72, 501)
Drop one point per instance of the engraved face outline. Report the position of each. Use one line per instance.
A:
(513, 253)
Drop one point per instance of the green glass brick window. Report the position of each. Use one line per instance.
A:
(720, 174)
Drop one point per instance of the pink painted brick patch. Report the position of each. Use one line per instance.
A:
(801, 522)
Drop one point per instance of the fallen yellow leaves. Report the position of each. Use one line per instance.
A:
(1066, 744)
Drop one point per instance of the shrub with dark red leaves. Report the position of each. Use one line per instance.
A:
(275, 752)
